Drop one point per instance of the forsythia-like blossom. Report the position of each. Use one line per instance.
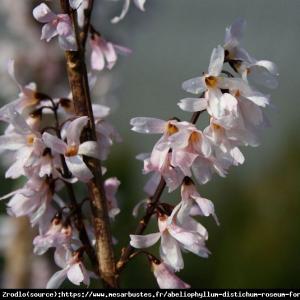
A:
(236, 117)
(53, 148)
(138, 3)
(43, 141)
(56, 25)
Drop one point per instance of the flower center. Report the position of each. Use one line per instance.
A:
(194, 137)
(71, 151)
(30, 139)
(211, 81)
(171, 129)
(237, 94)
(216, 126)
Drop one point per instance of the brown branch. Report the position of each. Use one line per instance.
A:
(78, 81)
(143, 223)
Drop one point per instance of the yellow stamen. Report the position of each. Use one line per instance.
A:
(171, 129)
(30, 139)
(237, 93)
(71, 150)
(211, 81)
(194, 137)
(216, 126)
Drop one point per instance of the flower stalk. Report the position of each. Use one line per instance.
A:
(77, 75)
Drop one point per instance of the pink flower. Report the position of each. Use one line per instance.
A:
(42, 162)
(175, 234)
(72, 268)
(73, 150)
(60, 25)
(166, 277)
(111, 186)
(263, 72)
(139, 4)
(187, 145)
(58, 235)
(105, 53)
(33, 200)
(20, 139)
(106, 136)
(227, 140)
(210, 84)
(28, 96)
(192, 203)
(159, 160)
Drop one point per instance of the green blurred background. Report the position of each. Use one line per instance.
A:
(258, 205)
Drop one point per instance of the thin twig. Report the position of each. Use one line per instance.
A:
(83, 236)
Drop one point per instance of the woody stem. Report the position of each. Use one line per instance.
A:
(78, 81)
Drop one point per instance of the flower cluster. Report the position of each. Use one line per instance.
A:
(44, 140)
(103, 53)
(235, 108)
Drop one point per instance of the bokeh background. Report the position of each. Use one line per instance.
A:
(258, 204)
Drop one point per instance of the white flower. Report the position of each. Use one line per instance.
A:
(56, 25)
(210, 84)
(105, 53)
(159, 160)
(72, 268)
(139, 4)
(263, 72)
(192, 203)
(20, 139)
(175, 234)
(166, 277)
(73, 150)
(58, 235)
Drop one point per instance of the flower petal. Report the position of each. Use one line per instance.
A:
(90, 148)
(110, 55)
(193, 104)
(166, 278)
(11, 142)
(216, 61)
(48, 32)
(74, 130)
(170, 252)
(144, 241)
(202, 170)
(148, 125)
(97, 57)
(123, 12)
(140, 4)
(194, 86)
(61, 256)
(78, 168)
(100, 111)
(234, 33)
(54, 143)
(43, 13)
(57, 279)
(75, 274)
